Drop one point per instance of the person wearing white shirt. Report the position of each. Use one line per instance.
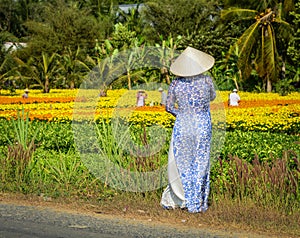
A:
(234, 98)
(163, 97)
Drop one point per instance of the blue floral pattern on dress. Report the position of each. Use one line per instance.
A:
(189, 101)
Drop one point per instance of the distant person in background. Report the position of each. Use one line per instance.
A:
(102, 93)
(26, 93)
(163, 99)
(140, 98)
(234, 98)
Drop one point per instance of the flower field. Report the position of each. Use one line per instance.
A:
(257, 112)
(249, 166)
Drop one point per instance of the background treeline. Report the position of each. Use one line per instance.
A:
(255, 43)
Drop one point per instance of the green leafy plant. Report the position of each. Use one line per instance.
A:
(284, 87)
(66, 173)
(17, 165)
(265, 145)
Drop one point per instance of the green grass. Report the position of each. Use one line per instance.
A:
(254, 185)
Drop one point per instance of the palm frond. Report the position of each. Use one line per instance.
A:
(282, 22)
(45, 61)
(272, 65)
(3, 64)
(246, 45)
(138, 73)
(19, 61)
(266, 60)
(237, 13)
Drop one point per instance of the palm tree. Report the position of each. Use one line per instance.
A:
(167, 52)
(133, 62)
(42, 71)
(71, 67)
(3, 73)
(259, 44)
(102, 69)
(132, 20)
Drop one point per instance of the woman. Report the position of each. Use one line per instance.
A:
(26, 93)
(140, 98)
(189, 97)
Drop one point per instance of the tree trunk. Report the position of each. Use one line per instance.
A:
(129, 80)
(283, 70)
(165, 74)
(269, 85)
(72, 84)
(235, 82)
(240, 76)
(168, 79)
(46, 88)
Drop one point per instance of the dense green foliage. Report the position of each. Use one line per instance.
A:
(59, 137)
(42, 158)
(81, 33)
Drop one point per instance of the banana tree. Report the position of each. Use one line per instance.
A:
(43, 71)
(258, 45)
(71, 68)
(101, 70)
(3, 73)
(167, 51)
(135, 62)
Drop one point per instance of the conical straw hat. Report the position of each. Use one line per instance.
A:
(191, 62)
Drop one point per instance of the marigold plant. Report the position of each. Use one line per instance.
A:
(256, 112)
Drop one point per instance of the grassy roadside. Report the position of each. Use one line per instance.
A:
(250, 194)
(228, 218)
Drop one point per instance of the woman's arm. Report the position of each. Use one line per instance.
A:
(212, 89)
(171, 99)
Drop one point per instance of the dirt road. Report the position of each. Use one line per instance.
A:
(19, 221)
(32, 222)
